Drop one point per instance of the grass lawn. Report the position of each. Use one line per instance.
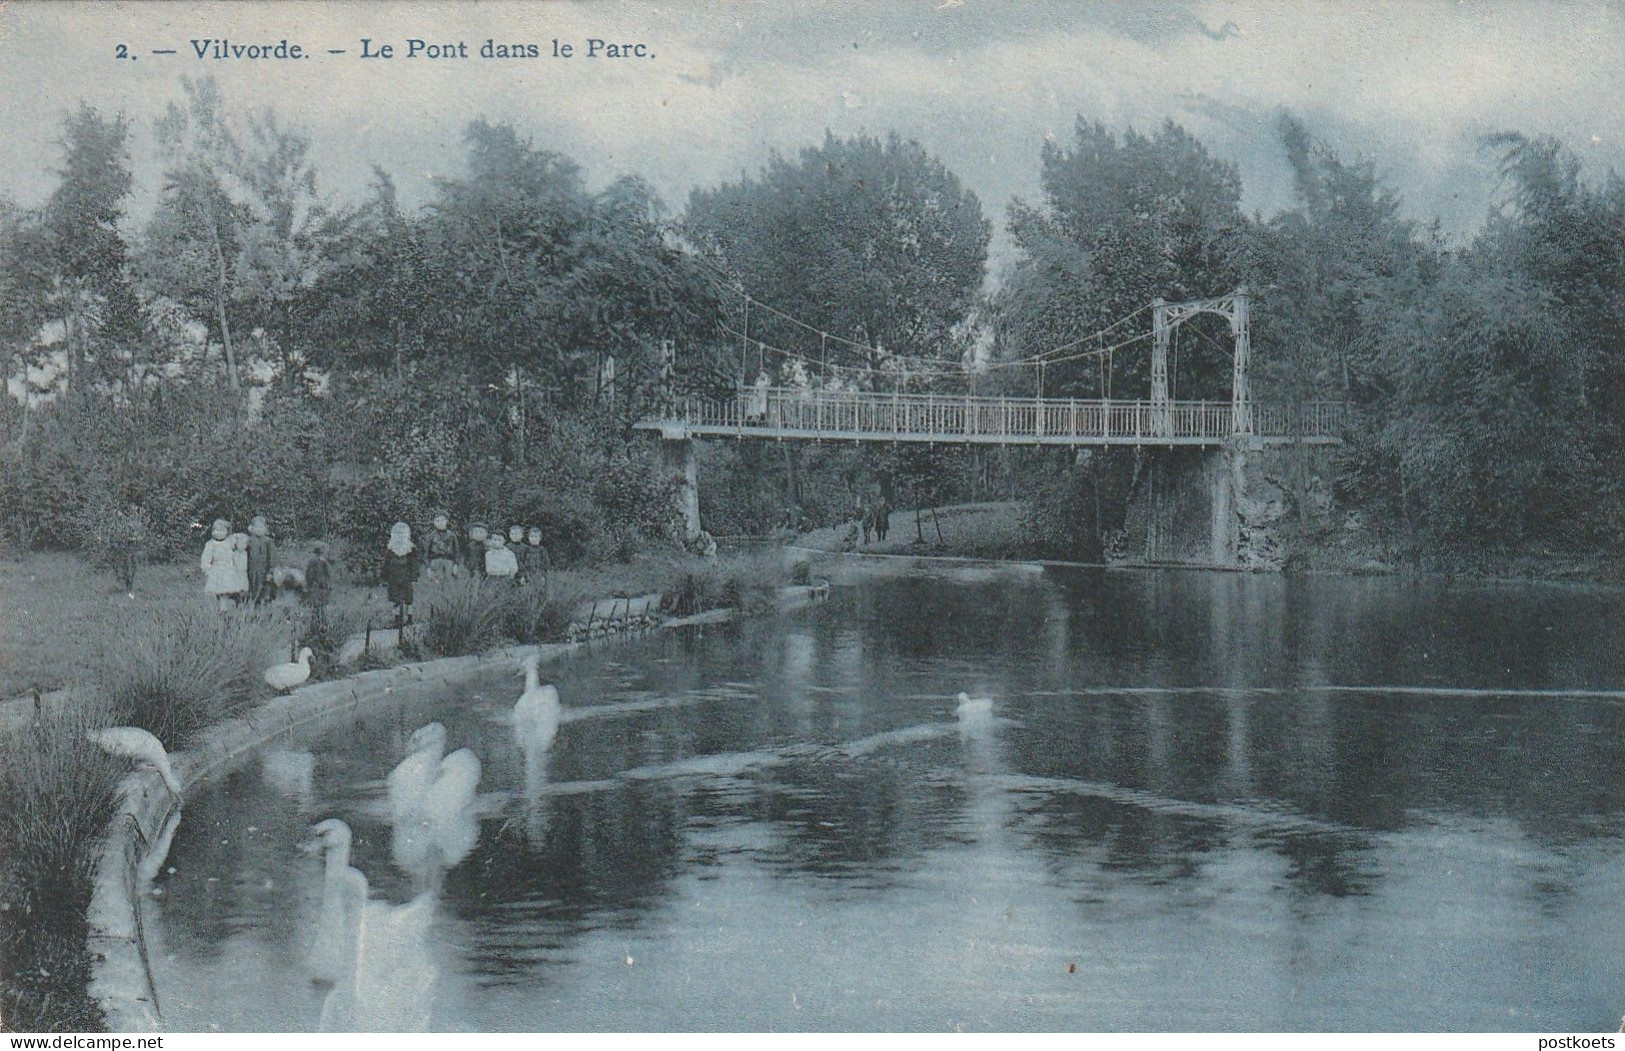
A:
(990, 530)
(55, 609)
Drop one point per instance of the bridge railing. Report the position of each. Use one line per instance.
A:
(1306, 419)
(875, 414)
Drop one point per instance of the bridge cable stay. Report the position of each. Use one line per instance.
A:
(825, 336)
(725, 282)
(959, 371)
(1053, 355)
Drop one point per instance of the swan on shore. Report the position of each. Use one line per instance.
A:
(132, 742)
(284, 677)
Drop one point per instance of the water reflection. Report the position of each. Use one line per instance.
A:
(1162, 819)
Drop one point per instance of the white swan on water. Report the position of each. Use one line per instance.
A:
(375, 955)
(536, 713)
(344, 895)
(414, 774)
(974, 711)
(536, 718)
(132, 742)
(431, 804)
(448, 809)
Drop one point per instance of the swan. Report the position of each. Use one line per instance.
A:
(974, 709)
(536, 713)
(132, 742)
(375, 955)
(344, 895)
(285, 677)
(448, 808)
(395, 970)
(414, 774)
(432, 804)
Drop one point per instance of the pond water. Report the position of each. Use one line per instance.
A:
(1203, 801)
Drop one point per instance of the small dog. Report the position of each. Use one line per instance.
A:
(284, 578)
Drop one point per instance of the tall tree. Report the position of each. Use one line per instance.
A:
(503, 243)
(1123, 220)
(82, 253)
(241, 235)
(193, 238)
(871, 241)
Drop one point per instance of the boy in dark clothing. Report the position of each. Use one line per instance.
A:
(399, 571)
(318, 576)
(442, 548)
(260, 553)
(476, 550)
(533, 561)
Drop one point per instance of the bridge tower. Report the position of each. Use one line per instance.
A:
(1206, 487)
(677, 447)
(1165, 317)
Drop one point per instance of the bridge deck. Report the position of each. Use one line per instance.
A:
(791, 413)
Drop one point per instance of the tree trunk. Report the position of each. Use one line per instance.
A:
(220, 309)
(792, 474)
(69, 384)
(519, 385)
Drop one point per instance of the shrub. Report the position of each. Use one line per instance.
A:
(113, 537)
(57, 794)
(176, 674)
(462, 617)
(539, 613)
(754, 578)
(326, 628)
(747, 582)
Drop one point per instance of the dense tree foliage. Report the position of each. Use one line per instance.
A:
(257, 346)
(875, 243)
(1486, 379)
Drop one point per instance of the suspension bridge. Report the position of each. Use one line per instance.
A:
(1189, 504)
(826, 413)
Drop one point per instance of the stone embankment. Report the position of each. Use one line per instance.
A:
(148, 813)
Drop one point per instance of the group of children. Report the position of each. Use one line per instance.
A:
(484, 553)
(873, 519)
(446, 556)
(237, 566)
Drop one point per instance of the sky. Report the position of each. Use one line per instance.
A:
(1410, 85)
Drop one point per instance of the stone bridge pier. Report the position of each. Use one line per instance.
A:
(1231, 505)
(677, 454)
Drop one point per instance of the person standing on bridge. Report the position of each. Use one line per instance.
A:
(758, 397)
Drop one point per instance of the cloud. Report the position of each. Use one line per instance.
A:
(1411, 86)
